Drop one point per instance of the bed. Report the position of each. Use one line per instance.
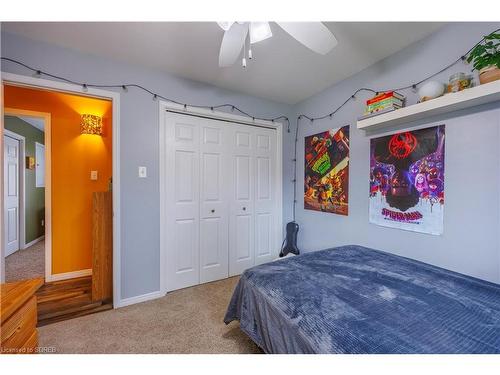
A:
(352, 299)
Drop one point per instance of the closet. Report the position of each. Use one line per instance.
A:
(220, 196)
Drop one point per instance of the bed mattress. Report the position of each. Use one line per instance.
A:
(352, 299)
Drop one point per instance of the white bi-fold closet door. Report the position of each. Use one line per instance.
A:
(221, 199)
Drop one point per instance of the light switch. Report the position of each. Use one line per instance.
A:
(93, 175)
(143, 172)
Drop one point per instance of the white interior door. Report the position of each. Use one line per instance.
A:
(221, 200)
(11, 194)
(241, 222)
(214, 203)
(183, 201)
(266, 241)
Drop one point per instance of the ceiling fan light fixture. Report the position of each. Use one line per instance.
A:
(259, 31)
(225, 25)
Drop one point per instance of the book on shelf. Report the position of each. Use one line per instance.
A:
(372, 114)
(385, 95)
(383, 104)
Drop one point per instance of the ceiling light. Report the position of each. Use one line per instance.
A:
(225, 25)
(259, 31)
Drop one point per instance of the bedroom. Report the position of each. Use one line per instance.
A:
(223, 148)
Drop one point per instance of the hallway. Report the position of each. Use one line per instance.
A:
(26, 264)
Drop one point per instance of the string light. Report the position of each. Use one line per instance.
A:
(155, 96)
(330, 115)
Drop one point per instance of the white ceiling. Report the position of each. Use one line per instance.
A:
(33, 121)
(282, 70)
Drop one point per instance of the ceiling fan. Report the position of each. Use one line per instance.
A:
(313, 35)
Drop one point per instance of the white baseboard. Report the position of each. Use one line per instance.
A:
(138, 299)
(41, 238)
(68, 275)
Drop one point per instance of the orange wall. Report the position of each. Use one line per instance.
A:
(73, 157)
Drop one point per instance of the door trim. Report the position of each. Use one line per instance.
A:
(163, 108)
(34, 82)
(217, 115)
(22, 186)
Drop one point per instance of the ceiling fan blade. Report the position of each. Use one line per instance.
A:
(314, 35)
(259, 31)
(232, 43)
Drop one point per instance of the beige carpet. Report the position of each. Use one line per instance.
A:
(26, 264)
(184, 321)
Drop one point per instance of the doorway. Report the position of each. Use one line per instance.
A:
(26, 241)
(84, 148)
(114, 98)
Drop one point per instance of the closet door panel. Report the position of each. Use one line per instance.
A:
(182, 187)
(214, 206)
(221, 199)
(263, 236)
(213, 249)
(265, 196)
(186, 246)
(241, 225)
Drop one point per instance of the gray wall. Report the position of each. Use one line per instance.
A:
(470, 243)
(140, 212)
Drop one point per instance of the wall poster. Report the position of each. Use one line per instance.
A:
(407, 180)
(326, 179)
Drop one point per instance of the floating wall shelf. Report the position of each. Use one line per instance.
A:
(482, 94)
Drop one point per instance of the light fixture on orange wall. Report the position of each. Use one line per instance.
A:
(91, 124)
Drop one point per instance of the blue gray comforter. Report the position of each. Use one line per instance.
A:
(357, 300)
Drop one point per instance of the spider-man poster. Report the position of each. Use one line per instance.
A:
(407, 180)
(326, 180)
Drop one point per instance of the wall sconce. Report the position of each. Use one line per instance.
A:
(91, 124)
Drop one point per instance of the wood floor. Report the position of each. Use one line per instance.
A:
(67, 299)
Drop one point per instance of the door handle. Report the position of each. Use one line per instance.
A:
(212, 211)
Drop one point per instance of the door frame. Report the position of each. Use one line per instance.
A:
(163, 108)
(48, 208)
(114, 97)
(22, 185)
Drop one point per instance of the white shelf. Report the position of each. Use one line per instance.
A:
(482, 94)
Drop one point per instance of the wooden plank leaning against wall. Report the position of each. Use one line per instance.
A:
(102, 246)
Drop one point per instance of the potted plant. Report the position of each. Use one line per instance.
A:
(485, 58)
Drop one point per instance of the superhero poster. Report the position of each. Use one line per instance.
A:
(407, 180)
(326, 180)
